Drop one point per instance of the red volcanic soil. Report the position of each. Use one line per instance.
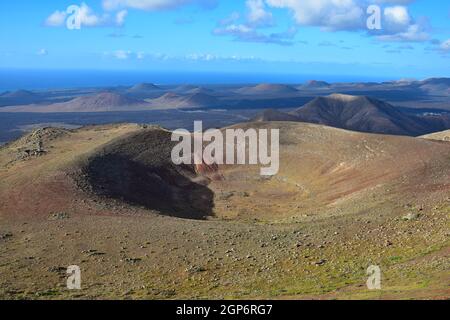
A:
(109, 198)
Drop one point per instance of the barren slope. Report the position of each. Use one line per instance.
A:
(444, 136)
(108, 199)
(363, 114)
(101, 102)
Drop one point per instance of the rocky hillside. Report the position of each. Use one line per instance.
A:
(364, 114)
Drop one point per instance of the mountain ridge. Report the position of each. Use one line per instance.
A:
(363, 114)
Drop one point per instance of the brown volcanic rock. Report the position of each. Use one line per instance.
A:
(267, 88)
(337, 202)
(201, 90)
(101, 102)
(133, 164)
(274, 115)
(144, 87)
(144, 91)
(315, 84)
(323, 167)
(199, 100)
(19, 97)
(19, 94)
(173, 100)
(361, 113)
(209, 170)
(436, 85)
(105, 101)
(358, 113)
(167, 101)
(443, 136)
(138, 170)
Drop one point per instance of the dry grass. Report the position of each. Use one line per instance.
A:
(340, 198)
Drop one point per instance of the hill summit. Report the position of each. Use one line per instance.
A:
(361, 113)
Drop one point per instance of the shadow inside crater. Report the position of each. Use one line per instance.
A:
(165, 189)
(138, 170)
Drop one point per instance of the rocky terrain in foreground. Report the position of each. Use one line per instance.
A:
(106, 198)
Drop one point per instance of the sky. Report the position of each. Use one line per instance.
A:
(321, 37)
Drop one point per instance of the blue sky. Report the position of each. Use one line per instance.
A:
(271, 36)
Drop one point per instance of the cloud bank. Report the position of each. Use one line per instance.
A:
(154, 5)
(87, 18)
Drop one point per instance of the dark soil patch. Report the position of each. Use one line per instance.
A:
(138, 170)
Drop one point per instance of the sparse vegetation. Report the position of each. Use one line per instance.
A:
(338, 205)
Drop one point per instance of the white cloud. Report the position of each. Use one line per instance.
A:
(122, 54)
(329, 14)
(42, 52)
(246, 28)
(56, 19)
(393, 2)
(398, 25)
(246, 33)
(397, 15)
(350, 15)
(232, 18)
(87, 18)
(208, 57)
(120, 17)
(202, 57)
(126, 55)
(258, 15)
(413, 33)
(193, 57)
(445, 46)
(154, 5)
(234, 29)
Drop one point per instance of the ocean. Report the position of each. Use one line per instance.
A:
(15, 79)
(13, 125)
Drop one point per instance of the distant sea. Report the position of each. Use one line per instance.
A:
(15, 79)
(13, 125)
